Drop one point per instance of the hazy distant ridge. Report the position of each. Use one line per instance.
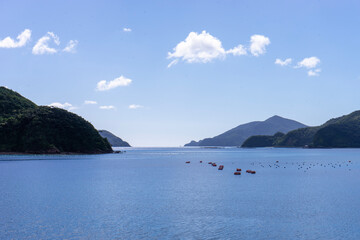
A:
(113, 140)
(237, 135)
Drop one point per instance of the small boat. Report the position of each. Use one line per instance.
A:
(209, 162)
(187, 162)
(238, 169)
(237, 173)
(221, 167)
(251, 171)
(200, 161)
(214, 164)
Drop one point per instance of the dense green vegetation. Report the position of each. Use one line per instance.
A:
(263, 140)
(25, 127)
(11, 103)
(113, 140)
(237, 135)
(342, 132)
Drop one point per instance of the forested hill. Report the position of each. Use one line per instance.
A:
(237, 135)
(28, 128)
(341, 132)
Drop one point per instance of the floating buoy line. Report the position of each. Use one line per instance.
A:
(303, 166)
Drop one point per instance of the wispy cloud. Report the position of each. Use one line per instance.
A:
(42, 45)
(71, 46)
(90, 102)
(22, 39)
(127, 29)
(237, 51)
(173, 62)
(109, 107)
(314, 73)
(285, 62)
(121, 81)
(310, 62)
(204, 48)
(135, 106)
(66, 105)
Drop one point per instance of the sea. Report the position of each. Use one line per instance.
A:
(152, 193)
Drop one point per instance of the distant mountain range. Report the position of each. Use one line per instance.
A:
(113, 140)
(341, 132)
(28, 128)
(237, 135)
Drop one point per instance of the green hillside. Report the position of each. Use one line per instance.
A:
(263, 140)
(341, 132)
(28, 128)
(11, 102)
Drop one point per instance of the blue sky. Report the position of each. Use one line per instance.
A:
(221, 78)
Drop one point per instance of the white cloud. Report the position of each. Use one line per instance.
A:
(23, 38)
(135, 106)
(42, 45)
(90, 102)
(127, 29)
(107, 107)
(313, 73)
(60, 105)
(280, 62)
(103, 85)
(203, 48)
(258, 44)
(196, 47)
(71, 46)
(237, 51)
(66, 105)
(309, 63)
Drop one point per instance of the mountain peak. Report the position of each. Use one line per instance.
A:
(237, 135)
(275, 117)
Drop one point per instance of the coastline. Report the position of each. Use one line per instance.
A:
(55, 153)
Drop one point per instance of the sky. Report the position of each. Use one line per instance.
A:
(163, 73)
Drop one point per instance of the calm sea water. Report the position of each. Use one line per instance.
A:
(150, 193)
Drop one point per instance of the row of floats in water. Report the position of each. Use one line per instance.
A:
(221, 167)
